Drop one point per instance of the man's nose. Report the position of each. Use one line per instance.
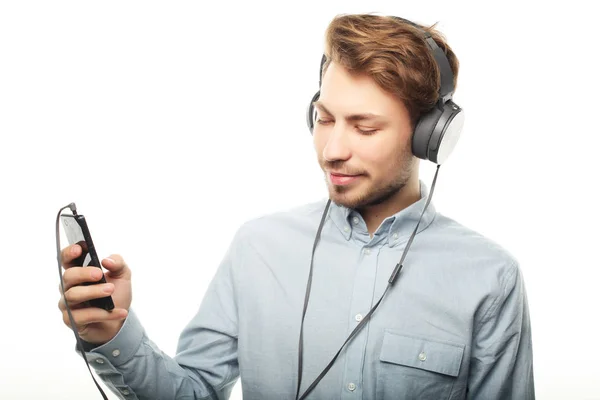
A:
(337, 147)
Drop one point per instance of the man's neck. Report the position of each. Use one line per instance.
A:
(375, 215)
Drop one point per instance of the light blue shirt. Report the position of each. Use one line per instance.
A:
(454, 326)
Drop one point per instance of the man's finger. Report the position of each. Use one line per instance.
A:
(62, 307)
(79, 294)
(78, 275)
(69, 254)
(88, 315)
(116, 266)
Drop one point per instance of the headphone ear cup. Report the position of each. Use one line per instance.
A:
(310, 113)
(423, 131)
(437, 132)
(449, 127)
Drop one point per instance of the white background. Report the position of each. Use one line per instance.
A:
(171, 123)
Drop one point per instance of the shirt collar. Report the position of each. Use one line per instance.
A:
(395, 229)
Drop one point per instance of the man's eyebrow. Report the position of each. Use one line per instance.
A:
(353, 117)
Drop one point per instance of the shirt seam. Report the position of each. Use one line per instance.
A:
(488, 313)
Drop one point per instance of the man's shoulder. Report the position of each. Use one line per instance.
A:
(471, 248)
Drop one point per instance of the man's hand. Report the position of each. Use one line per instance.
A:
(94, 324)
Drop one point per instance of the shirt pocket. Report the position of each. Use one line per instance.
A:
(413, 367)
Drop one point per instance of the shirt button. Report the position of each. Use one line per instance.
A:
(422, 356)
(346, 229)
(351, 387)
(395, 235)
(116, 353)
(367, 251)
(358, 317)
(355, 220)
(125, 391)
(99, 361)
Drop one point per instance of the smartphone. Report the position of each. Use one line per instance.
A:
(78, 232)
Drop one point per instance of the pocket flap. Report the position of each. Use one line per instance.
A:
(432, 355)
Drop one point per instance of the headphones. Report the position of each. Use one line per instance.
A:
(437, 131)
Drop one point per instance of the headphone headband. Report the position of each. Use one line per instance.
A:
(446, 75)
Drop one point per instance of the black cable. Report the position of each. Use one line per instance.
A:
(363, 322)
(307, 295)
(62, 286)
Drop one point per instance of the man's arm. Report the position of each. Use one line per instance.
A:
(205, 366)
(501, 358)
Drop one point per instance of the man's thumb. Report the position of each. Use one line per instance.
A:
(115, 264)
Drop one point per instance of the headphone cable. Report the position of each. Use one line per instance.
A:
(391, 281)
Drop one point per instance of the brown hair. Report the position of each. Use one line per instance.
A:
(393, 53)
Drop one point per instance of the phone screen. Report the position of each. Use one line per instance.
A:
(75, 235)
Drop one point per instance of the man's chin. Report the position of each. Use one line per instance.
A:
(355, 198)
(350, 196)
(345, 197)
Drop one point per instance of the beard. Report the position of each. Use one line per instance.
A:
(368, 193)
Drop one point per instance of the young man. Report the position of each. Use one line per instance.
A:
(454, 325)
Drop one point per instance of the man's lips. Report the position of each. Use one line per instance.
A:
(341, 179)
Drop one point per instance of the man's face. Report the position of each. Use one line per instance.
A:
(362, 138)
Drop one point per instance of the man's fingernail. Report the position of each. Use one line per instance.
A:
(74, 250)
(96, 273)
(110, 260)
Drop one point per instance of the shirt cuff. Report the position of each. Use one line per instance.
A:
(124, 345)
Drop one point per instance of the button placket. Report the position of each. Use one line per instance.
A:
(365, 279)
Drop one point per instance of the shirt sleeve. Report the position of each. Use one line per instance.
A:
(205, 366)
(501, 359)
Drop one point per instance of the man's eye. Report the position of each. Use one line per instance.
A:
(323, 121)
(366, 131)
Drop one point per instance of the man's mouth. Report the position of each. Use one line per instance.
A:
(342, 179)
